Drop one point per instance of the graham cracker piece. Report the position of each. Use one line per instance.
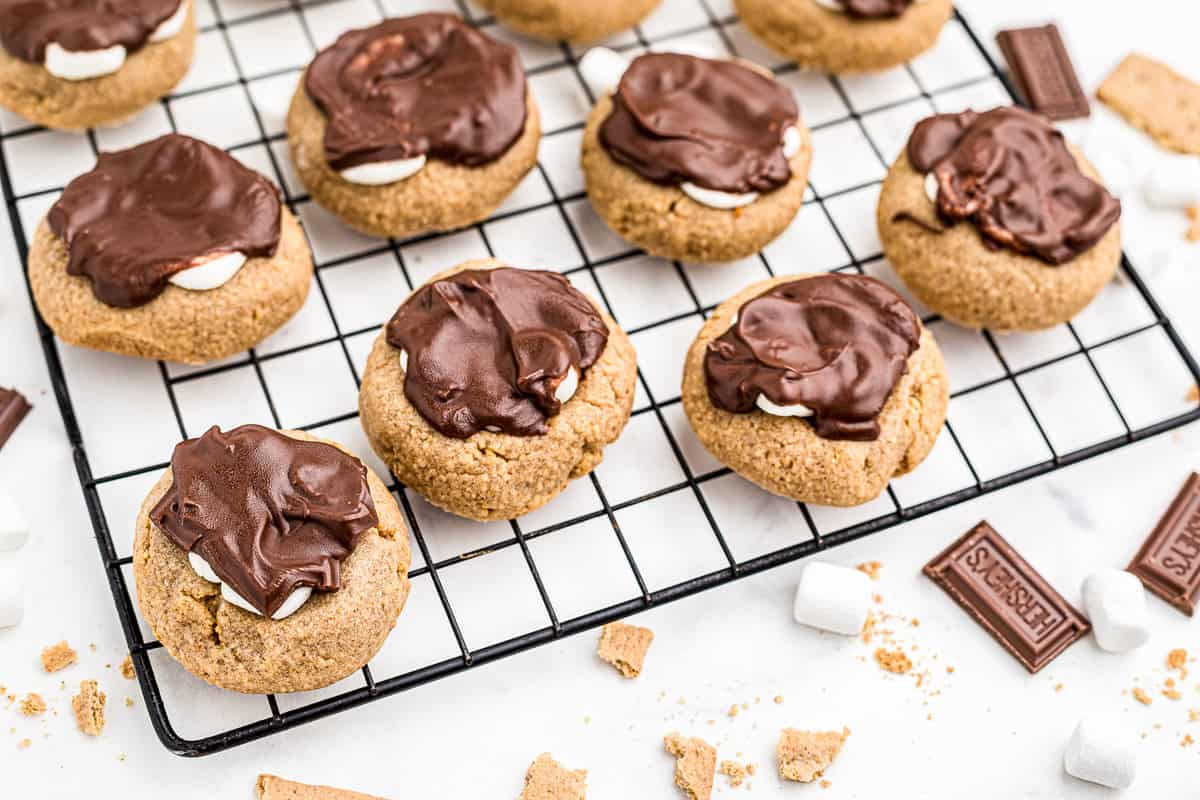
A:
(32, 705)
(88, 706)
(127, 671)
(624, 646)
(695, 765)
(547, 779)
(57, 656)
(1157, 99)
(805, 755)
(271, 787)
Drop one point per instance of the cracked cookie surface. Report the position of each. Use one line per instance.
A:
(494, 476)
(332, 635)
(785, 456)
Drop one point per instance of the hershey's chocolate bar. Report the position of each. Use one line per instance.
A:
(13, 408)
(1004, 594)
(1043, 72)
(1169, 561)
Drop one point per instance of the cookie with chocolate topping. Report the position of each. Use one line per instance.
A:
(819, 388)
(570, 20)
(846, 36)
(413, 125)
(75, 64)
(270, 561)
(995, 221)
(696, 159)
(492, 388)
(169, 250)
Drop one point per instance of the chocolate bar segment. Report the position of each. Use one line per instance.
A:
(1004, 594)
(1043, 73)
(1169, 561)
(13, 408)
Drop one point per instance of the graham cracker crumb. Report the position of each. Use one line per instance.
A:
(1194, 715)
(1193, 395)
(1140, 695)
(546, 779)
(127, 671)
(58, 656)
(735, 772)
(23, 744)
(825, 784)
(1177, 660)
(1058, 687)
(778, 699)
(88, 706)
(129, 702)
(1187, 740)
(805, 755)
(695, 765)
(1172, 694)
(733, 710)
(896, 661)
(871, 568)
(878, 598)
(624, 646)
(33, 705)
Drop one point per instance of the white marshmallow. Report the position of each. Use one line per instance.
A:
(832, 598)
(14, 529)
(834, 5)
(714, 199)
(792, 141)
(782, 411)
(1102, 750)
(602, 69)
(1174, 183)
(12, 598)
(172, 24)
(211, 274)
(82, 65)
(384, 172)
(404, 361)
(569, 386)
(1115, 602)
(931, 187)
(297, 598)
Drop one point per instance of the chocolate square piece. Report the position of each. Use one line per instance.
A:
(1043, 73)
(13, 408)
(1007, 596)
(1169, 561)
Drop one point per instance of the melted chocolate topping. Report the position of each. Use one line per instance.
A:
(269, 513)
(27, 26)
(1010, 172)
(837, 344)
(414, 86)
(875, 9)
(489, 348)
(716, 124)
(144, 214)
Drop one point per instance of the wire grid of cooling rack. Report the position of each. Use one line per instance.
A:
(659, 519)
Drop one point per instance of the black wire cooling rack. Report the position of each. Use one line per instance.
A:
(626, 506)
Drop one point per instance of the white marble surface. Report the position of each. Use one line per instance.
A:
(988, 730)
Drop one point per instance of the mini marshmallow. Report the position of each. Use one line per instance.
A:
(832, 598)
(1174, 183)
(12, 598)
(14, 530)
(1115, 602)
(1102, 750)
(602, 69)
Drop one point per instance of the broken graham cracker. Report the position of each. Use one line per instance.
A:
(32, 705)
(1157, 99)
(896, 661)
(735, 772)
(624, 646)
(58, 656)
(271, 787)
(547, 779)
(695, 765)
(805, 755)
(88, 706)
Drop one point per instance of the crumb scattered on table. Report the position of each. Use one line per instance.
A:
(896, 661)
(127, 671)
(778, 699)
(805, 755)
(546, 779)
(695, 765)
(58, 656)
(1193, 395)
(735, 772)
(33, 705)
(88, 706)
(23, 744)
(1140, 695)
(871, 568)
(624, 646)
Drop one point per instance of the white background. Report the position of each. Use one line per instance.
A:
(995, 732)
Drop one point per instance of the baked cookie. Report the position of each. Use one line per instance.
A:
(694, 159)
(994, 221)
(170, 250)
(417, 124)
(73, 64)
(270, 561)
(570, 20)
(492, 388)
(820, 388)
(847, 35)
